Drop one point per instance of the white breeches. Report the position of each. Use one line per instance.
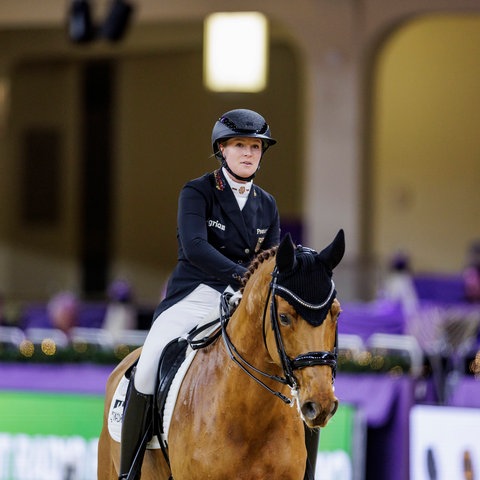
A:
(174, 322)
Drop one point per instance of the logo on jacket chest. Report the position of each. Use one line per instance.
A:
(216, 224)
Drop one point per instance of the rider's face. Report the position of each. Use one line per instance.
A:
(242, 155)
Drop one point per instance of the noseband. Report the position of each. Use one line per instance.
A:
(289, 365)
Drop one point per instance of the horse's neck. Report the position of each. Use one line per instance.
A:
(245, 331)
(245, 328)
(246, 325)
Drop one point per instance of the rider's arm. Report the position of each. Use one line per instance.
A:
(193, 237)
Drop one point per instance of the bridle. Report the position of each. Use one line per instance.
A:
(289, 365)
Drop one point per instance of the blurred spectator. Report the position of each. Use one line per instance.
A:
(63, 310)
(471, 273)
(121, 313)
(398, 285)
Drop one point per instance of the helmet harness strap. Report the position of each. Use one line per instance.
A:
(238, 177)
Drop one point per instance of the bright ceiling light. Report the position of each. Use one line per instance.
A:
(236, 52)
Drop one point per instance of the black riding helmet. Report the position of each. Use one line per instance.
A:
(240, 123)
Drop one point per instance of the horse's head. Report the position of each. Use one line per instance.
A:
(303, 318)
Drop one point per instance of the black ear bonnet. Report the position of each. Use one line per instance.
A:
(303, 277)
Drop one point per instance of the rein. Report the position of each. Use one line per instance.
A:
(289, 365)
(240, 361)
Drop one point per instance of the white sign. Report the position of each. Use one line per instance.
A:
(47, 457)
(444, 443)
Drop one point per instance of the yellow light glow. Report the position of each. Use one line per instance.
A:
(235, 52)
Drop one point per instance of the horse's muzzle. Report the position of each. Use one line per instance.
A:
(316, 415)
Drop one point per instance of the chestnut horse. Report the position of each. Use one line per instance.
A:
(233, 415)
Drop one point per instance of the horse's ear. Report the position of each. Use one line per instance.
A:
(285, 258)
(332, 254)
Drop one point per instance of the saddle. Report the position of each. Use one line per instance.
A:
(172, 358)
(174, 355)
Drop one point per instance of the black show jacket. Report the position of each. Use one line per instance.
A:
(216, 240)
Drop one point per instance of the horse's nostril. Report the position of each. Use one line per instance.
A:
(314, 414)
(310, 410)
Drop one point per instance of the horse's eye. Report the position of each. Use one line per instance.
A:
(285, 320)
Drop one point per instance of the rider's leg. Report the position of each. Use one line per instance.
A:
(137, 419)
(172, 323)
(311, 443)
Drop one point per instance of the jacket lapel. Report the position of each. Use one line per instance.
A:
(229, 205)
(250, 211)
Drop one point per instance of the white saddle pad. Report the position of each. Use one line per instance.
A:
(115, 413)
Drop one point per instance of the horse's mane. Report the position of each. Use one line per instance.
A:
(255, 264)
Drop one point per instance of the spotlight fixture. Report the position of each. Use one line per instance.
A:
(80, 26)
(117, 20)
(225, 42)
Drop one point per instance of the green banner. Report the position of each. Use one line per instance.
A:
(338, 434)
(342, 446)
(49, 436)
(51, 414)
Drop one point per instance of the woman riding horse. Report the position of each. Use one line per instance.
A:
(224, 220)
(282, 337)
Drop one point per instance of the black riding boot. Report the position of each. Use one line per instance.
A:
(136, 422)
(311, 443)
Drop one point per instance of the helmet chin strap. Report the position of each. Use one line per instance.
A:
(238, 177)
